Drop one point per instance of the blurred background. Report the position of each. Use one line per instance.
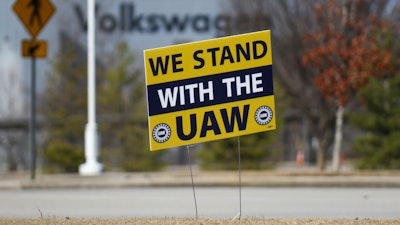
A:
(335, 65)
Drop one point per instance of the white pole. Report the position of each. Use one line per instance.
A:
(91, 166)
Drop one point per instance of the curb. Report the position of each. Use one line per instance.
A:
(201, 179)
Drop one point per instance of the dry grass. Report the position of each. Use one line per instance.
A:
(183, 221)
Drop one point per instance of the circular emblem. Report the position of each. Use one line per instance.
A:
(263, 115)
(161, 133)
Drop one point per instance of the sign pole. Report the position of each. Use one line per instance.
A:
(91, 166)
(32, 127)
(33, 15)
(240, 179)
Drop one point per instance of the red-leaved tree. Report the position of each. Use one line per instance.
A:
(348, 42)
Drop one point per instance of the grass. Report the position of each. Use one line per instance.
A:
(201, 221)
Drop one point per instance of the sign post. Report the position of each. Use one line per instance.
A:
(34, 14)
(209, 90)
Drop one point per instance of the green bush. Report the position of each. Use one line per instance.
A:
(379, 148)
(63, 157)
(256, 153)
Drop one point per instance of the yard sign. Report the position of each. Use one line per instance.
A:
(209, 90)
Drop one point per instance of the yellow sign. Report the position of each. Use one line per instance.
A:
(34, 48)
(34, 14)
(210, 90)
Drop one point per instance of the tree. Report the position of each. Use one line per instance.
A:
(294, 24)
(62, 106)
(121, 111)
(287, 21)
(122, 106)
(379, 148)
(346, 44)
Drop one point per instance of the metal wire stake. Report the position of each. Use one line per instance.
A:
(239, 214)
(240, 180)
(191, 175)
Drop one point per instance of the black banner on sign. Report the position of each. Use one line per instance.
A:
(210, 90)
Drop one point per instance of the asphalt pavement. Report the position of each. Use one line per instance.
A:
(212, 202)
(281, 193)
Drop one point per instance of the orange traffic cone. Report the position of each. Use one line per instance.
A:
(300, 157)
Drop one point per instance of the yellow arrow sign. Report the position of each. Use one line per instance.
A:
(34, 14)
(34, 48)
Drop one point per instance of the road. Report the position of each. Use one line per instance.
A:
(218, 202)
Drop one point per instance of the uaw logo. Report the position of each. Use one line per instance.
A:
(161, 133)
(263, 115)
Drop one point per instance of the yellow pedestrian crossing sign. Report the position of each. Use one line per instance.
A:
(34, 14)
